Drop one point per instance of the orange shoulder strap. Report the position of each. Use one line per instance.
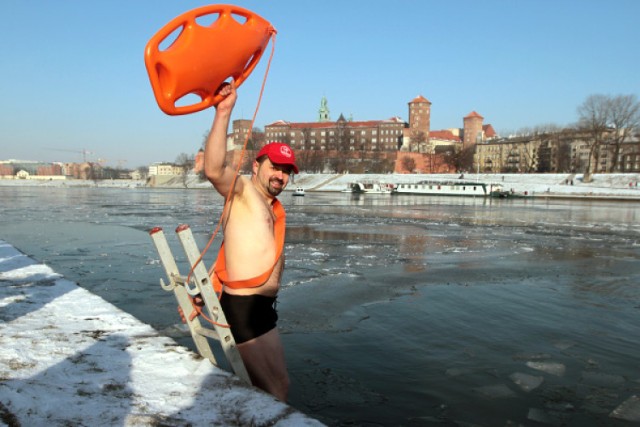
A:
(220, 278)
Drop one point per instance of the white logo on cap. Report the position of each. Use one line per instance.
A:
(285, 151)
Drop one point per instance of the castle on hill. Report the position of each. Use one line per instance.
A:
(360, 146)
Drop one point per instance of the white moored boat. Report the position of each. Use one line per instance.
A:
(369, 187)
(447, 188)
(298, 192)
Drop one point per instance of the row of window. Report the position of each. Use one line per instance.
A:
(323, 147)
(374, 143)
(332, 133)
(431, 187)
(352, 141)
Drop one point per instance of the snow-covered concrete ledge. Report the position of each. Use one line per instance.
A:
(67, 357)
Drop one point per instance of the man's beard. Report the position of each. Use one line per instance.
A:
(275, 191)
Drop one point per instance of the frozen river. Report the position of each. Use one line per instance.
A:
(395, 310)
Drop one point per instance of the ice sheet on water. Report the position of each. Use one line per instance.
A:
(525, 381)
(552, 368)
(628, 410)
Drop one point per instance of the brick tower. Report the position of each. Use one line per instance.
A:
(472, 129)
(420, 115)
(419, 121)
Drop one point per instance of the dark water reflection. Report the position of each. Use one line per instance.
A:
(395, 310)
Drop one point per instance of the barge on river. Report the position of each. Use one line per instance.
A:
(448, 188)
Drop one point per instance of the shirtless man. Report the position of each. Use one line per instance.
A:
(251, 247)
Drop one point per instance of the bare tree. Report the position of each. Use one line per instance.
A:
(143, 170)
(593, 116)
(418, 141)
(380, 163)
(563, 155)
(460, 159)
(528, 157)
(545, 129)
(408, 164)
(256, 141)
(316, 161)
(341, 142)
(624, 118)
(186, 163)
(254, 144)
(304, 152)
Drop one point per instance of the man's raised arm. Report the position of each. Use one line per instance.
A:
(215, 165)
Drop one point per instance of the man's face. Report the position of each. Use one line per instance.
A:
(272, 177)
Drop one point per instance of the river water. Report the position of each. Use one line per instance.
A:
(395, 310)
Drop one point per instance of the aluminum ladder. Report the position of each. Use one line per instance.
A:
(200, 284)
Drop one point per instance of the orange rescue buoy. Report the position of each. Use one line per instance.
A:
(202, 57)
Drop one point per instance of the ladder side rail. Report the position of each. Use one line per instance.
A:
(184, 301)
(212, 303)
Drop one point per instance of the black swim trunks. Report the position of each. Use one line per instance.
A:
(249, 316)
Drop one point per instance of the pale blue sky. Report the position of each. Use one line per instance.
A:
(72, 74)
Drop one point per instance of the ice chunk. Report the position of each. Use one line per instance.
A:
(552, 368)
(628, 410)
(526, 382)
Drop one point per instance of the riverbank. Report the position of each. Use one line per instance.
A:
(602, 186)
(67, 357)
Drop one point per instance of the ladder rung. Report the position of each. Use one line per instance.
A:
(206, 332)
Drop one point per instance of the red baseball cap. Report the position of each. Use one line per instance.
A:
(280, 154)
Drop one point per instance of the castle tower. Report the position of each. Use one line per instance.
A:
(419, 123)
(323, 112)
(420, 115)
(472, 129)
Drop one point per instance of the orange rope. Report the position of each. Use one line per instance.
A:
(233, 182)
(197, 311)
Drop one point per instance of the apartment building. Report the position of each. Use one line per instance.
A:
(564, 151)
